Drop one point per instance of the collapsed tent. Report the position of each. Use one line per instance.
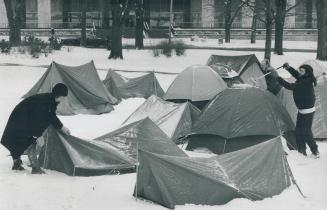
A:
(247, 66)
(143, 134)
(240, 117)
(173, 118)
(122, 87)
(197, 84)
(227, 74)
(254, 173)
(319, 124)
(86, 95)
(78, 157)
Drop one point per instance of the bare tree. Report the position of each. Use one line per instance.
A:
(231, 14)
(83, 23)
(254, 22)
(14, 9)
(279, 25)
(321, 6)
(308, 13)
(282, 10)
(119, 9)
(139, 24)
(274, 13)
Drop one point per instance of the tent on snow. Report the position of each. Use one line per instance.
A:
(318, 68)
(123, 87)
(197, 84)
(143, 134)
(247, 66)
(227, 74)
(173, 118)
(319, 124)
(254, 173)
(78, 157)
(240, 117)
(87, 94)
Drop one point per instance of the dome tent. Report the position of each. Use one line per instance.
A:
(197, 84)
(240, 117)
(86, 95)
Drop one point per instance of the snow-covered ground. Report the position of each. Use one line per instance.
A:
(56, 191)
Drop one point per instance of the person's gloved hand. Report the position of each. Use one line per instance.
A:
(65, 130)
(286, 65)
(273, 72)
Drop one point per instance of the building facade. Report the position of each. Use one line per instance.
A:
(186, 14)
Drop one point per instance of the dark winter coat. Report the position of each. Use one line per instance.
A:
(28, 121)
(303, 90)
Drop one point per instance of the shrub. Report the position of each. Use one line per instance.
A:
(4, 46)
(55, 43)
(180, 48)
(156, 52)
(167, 49)
(36, 45)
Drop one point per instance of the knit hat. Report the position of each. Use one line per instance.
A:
(60, 90)
(307, 68)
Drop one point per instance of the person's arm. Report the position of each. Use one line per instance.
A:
(56, 123)
(291, 70)
(285, 84)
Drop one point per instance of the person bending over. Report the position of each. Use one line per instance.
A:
(28, 121)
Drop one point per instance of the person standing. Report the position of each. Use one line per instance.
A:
(28, 121)
(304, 98)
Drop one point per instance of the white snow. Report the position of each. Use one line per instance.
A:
(56, 191)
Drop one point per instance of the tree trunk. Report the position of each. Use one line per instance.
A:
(268, 31)
(116, 33)
(279, 25)
(23, 14)
(321, 6)
(228, 17)
(139, 25)
(83, 23)
(254, 24)
(66, 5)
(308, 14)
(105, 13)
(14, 16)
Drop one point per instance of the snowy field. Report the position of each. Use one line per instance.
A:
(57, 191)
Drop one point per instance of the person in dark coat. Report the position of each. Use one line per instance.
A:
(304, 98)
(28, 121)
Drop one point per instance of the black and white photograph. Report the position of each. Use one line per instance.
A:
(163, 104)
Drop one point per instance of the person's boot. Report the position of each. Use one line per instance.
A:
(18, 165)
(303, 152)
(315, 153)
(37, 170)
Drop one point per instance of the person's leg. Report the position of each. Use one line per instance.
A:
(299, 133)
(309, 135)
(32, 156)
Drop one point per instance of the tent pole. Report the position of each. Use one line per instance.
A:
(46, 148)
(294, 181)
(137, 165)
(155, 83)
